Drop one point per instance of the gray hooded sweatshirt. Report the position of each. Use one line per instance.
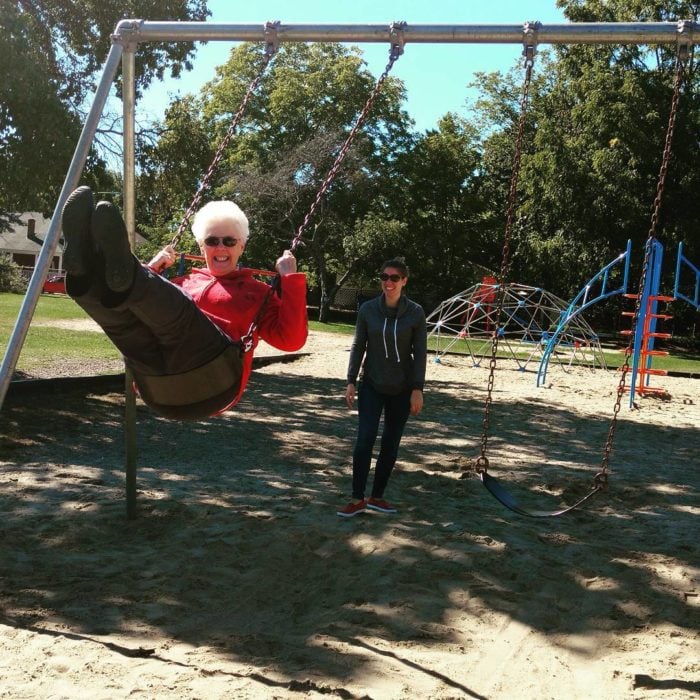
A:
(393, 343)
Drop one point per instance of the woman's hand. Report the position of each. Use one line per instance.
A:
(416, 402)
(163, 259)
(287, 264)
(350, 395)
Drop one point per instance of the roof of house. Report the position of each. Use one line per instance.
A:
(15, 240)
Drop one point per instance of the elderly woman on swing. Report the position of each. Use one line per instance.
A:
(187, 342)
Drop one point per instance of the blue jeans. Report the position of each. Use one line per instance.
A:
(370, 405)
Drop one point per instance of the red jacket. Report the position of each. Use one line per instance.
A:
(233, 301)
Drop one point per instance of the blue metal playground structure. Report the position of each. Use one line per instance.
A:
(646, 332)
(595, 290)
(685, 268)
(536, 325)
(686, 288)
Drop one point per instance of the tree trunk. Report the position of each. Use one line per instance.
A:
(327, 297)
(324, 306)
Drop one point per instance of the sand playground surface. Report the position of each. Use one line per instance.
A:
(236, 579)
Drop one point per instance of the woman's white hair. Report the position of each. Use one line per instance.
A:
(219, 212)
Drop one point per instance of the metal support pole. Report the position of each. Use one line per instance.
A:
(129, 204)
(43, 262)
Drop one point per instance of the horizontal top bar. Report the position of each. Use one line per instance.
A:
(129, 31)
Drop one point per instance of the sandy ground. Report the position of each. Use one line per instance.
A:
(237, 580)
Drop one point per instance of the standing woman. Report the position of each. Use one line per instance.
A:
(390, 335)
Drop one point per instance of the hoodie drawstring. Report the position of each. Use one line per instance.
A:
(396, 342)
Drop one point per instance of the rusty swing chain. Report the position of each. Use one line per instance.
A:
(395, 50)
(396, 32)
(681, 61)
(271, 47)
(481, 463)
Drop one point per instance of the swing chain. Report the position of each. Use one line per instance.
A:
(271, 48)
(480, 464)
(396, 33)
(681, 61)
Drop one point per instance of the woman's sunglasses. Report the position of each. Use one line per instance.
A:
(385, 278)
(213, 241)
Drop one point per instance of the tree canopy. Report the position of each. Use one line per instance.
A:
(593, 141)
(596, 128)
(50, 51)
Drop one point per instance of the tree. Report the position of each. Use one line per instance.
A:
(593, 146)
(286, 145)
(11, 279)
(437, 194)
(50, 51)
(169, 173)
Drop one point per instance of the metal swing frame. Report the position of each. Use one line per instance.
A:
(130, 33)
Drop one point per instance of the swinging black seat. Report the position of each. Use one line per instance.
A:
(502, 495)
(196, 394)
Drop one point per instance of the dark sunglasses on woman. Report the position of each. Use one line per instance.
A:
(213, 241)
(385, 278)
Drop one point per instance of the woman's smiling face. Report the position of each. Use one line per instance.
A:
(393, 282)
(222, 247)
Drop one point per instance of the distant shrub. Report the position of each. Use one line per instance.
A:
(11, 278)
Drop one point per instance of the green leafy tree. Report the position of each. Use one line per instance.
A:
(437, 193)
(170, 169)
(11, 279)
(284, 148)
(593, 146)
(50, 52)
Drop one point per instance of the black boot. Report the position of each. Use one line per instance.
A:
(109, 233)
(78, 252)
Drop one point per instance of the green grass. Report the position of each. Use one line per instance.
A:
(46, 343)
(50, 307)
(676, 361)
(340, 328)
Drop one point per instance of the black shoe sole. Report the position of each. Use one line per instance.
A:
(75, 221)
(109, 232)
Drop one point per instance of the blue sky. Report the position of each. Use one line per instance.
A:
(436, 75)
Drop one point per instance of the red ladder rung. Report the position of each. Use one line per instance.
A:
(653, 390)
(655, 372)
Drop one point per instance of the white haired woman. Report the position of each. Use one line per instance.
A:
(181, 339)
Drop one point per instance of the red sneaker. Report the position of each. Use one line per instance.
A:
(380, 505)
(352, 509)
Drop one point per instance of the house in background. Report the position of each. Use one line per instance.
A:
(23, 242)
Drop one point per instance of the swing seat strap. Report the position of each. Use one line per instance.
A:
(220, 375)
